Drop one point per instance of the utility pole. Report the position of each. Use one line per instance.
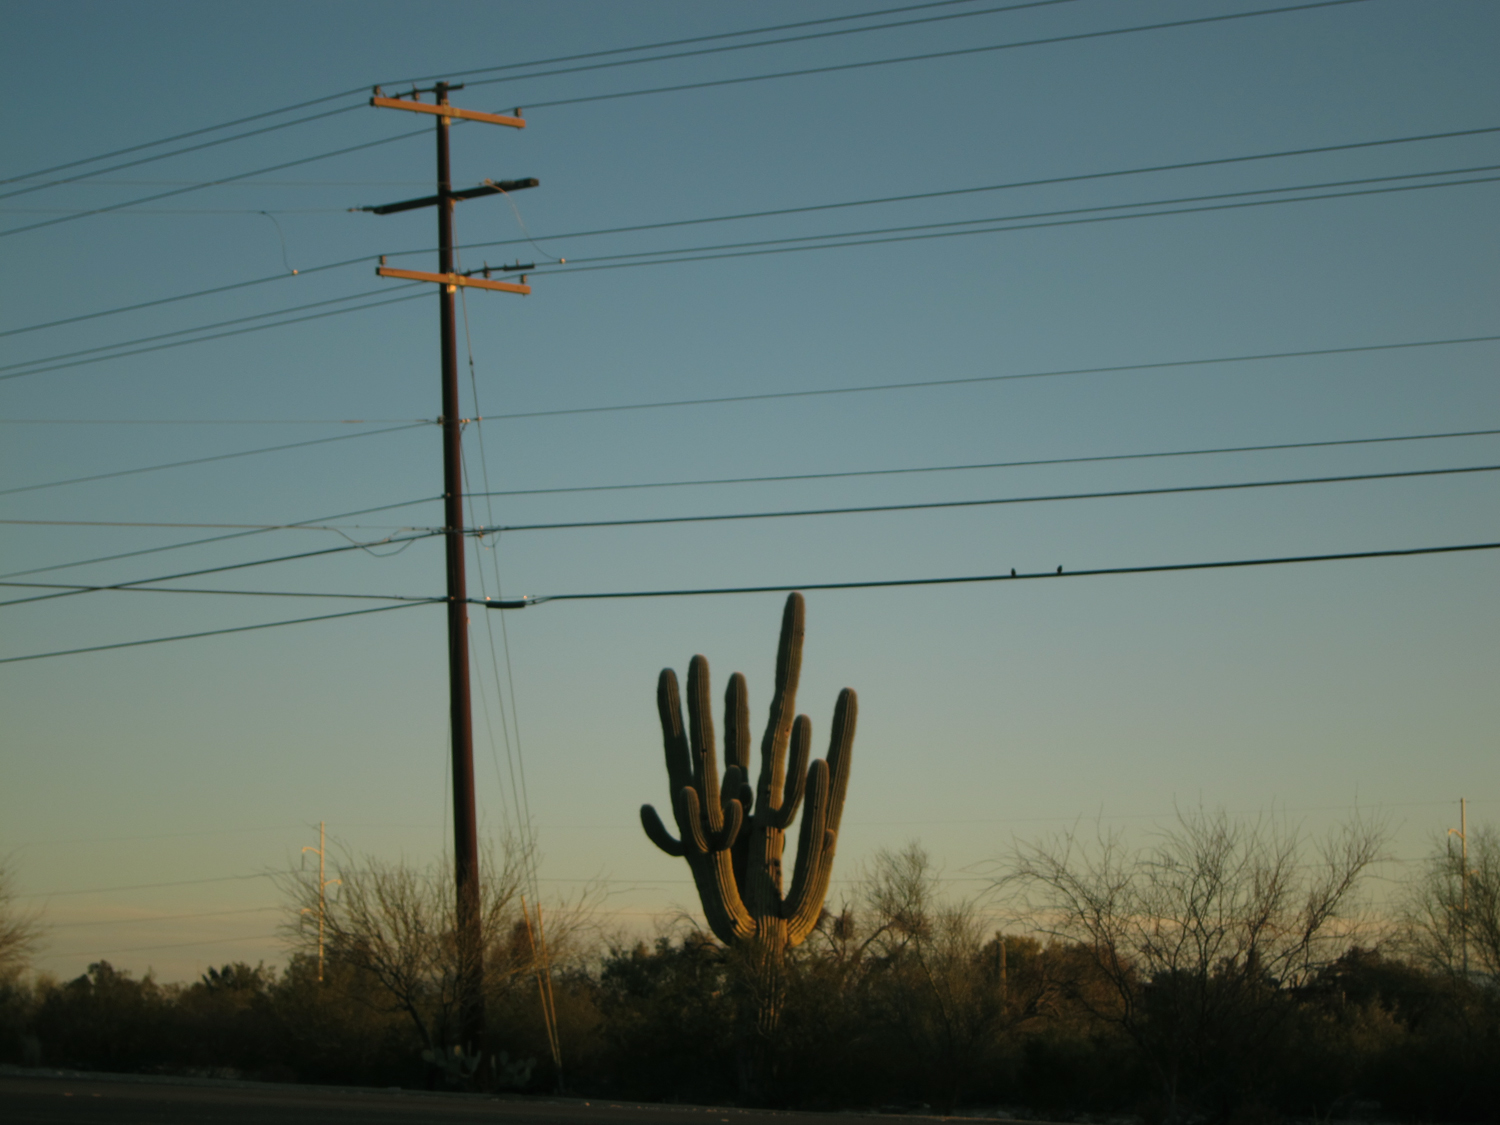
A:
(465, 829)
(323, 885)
(1462, 832)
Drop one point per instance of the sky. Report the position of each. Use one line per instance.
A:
(148, 790)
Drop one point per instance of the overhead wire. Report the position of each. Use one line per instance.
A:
(1013, 576)
(405, 540)
(1080, 36)
(684, 42)
(1070, 211)
(1060, 572)
(146, 886)
(931, 55)
(175, 152)
(215, 457)
(520, 797)
(1010, 185)
(481, 70)
(222, 335)
(918, 384)
(207, 421)
(135, 589)
(215, 183)
(517, 825)
(778, 247)
(209, 633)
(768, 246)
(206, 327)
(932, 505)
(771, 213)
(782, 477)
(701, 52)
(217, 538)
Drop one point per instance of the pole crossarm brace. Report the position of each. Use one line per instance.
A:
(449, 111)
(454, 279)
(489, 187)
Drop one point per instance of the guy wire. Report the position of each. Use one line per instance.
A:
(523, 805)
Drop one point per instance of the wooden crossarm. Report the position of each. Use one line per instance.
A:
(454, 279)
(449, 111)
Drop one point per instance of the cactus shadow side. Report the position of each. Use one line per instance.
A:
(732, 832)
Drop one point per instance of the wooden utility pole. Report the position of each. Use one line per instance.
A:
(465, 827)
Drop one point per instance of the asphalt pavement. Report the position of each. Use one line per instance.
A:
(77, 1099)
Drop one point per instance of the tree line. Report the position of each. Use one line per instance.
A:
(1223, 971)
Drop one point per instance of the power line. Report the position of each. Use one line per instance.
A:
(404, 541)
(1079, 36)
(719, 82)
(217, 538)
(210, 633)
(94, 952)
(938, 504)
(988, 464)
(176, 152)
(147, 886)
(1119, 368)
(160, 918)
(684, 42)
(1179, 166)
(1068, 211)
(1161, 568)
(34, 363)
(697, 256)
(483, 70)
(238, 176)
(767, 43)
(944, 193)
(215, 457)
(136, 589)
(208, 421)
(185, 296)
(778, 246)
(222, 335)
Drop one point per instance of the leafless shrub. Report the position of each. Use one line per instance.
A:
(1201, 936)
(20, 929)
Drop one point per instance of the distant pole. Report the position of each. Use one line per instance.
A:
(1462, 832)
(322, 892)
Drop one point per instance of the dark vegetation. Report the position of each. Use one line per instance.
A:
(903, 999)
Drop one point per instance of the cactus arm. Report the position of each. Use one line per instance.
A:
(734, 819)
(658, 833)
(673, 737)
(796, 776)
(701, 736)
(811, 843)
(820, 824)
(690, 820)
(783, 706)
(840, 751)
(737, 725)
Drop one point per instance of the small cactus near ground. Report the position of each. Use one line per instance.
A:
(732, 831)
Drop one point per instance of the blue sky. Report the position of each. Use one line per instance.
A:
(988, 712)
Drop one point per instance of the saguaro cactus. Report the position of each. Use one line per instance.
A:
(732, 833)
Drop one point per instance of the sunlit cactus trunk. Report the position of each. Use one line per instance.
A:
(733, 834)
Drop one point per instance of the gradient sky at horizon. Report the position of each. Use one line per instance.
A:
(988, 712)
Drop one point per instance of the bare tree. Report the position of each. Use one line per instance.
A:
(1201, 936)
(396, 925)
(941, 971)
(1452, 916)
(20, 930)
